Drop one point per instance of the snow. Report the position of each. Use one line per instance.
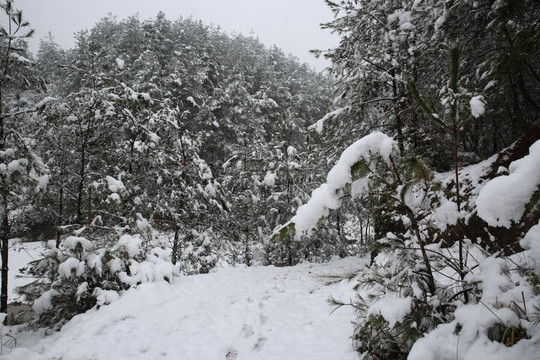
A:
(45, 101)
(42, 182)
(318, 126)
(114, 185)
(114, 197)
(153, 137)
(393, 308)
(65, 268)
(232, 313)
(17, 165)
(291, 151)
(446, 214)
(502, 200)
(478, 106)
(210, 190)
(106, 296)
(120, 63)
(192, 101)
(270, 179)
(43, 303)
(21, 59)
(407, 26)
(403, 16)
(531, 242)
(71, 242)
(131, 244)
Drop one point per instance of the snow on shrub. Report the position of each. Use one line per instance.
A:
(430, 289)
(82, 274)
(478, 106)
(502, 200)
(531, 242)
(392, 308)
(327, 196)
(498, 324)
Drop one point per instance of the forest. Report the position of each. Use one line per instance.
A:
(158, 148)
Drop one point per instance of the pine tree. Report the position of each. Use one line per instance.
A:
(22, 171)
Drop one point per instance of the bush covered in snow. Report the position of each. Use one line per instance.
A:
(81, 274)
(434, 286)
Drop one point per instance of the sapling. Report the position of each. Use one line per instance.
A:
(452, 121)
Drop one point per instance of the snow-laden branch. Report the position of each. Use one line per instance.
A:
(327, 196)
(318, 126)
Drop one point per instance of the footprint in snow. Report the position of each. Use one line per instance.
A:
(232, 354)
(260, 343)
(247, 330)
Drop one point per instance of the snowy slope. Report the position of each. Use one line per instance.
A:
(233, 313)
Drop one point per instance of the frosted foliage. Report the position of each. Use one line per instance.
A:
(502, 200)
(326, 196)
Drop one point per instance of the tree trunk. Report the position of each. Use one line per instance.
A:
(82, 174)
(367, 231)
(399, 122)
(174, 256)
(5, 258)
(338, 223)
(60, 219)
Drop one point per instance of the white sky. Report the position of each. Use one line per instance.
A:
(292, 25)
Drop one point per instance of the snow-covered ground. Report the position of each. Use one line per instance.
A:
(232, 313)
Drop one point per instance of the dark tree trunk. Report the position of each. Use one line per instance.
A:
(174, 256)
(82, 174)
(5, 257)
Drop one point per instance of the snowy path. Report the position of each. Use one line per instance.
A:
(232, 314)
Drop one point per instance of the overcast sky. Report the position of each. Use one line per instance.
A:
(292, 25)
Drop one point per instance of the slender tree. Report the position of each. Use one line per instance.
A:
(20, 168)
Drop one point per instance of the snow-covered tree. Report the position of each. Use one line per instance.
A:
(22, 173)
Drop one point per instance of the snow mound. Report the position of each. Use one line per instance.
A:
(502, 200)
